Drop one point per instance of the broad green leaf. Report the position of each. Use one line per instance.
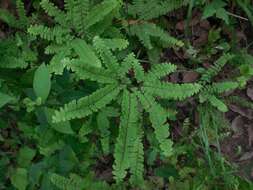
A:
(25, 156)
(86, 53)
(222, 14)
(212, 8)
(4, 99)
(19, 179)
(42, 82)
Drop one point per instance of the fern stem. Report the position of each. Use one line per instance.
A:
(189, 15)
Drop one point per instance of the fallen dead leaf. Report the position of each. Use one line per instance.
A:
(175, 77)
(180, 26)
(250, 134)
(237, 126)
(248, 113)
(190, 76)
(250, 93)
(2, 35)
(246, 156)
(205, 24)
(5, 4)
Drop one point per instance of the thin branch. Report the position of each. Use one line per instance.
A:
(237, 16)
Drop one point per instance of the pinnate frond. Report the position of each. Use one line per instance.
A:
(153, 31)
(158, 118)
(88, 104)
(170, 90)
(129, 123)
(56, 34)
(158, 71)
(154, 8)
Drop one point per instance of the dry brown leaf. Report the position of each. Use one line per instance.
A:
(250, 134)
(174, 77)
(237, 126)
(205, 24)
(248, 113)
(246, 156)
(180, 26)
(5, 4)
(250, 93)
(190, 76)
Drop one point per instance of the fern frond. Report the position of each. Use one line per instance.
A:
(88, 104)
(84, 71)
(53, 49)
(220, 87)
(105, 54)
(116, 44)
(80, 12)
(170, 90)
(147, 10)
(11, 62)
(209, 93)
(103, 124)
(135, 64)
(129, 123)
(86, 54)
(23, 19)
(58, 64)
(53, 11)
(220, 105)
(158, 71)
(216, 68)
(57, 33)
(73, 183)
(137, 161)
(146, 31)
(100, 11)
(158, 118)
(11, 55)
(8, 18)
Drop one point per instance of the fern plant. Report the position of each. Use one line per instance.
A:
(141, 21)
(16, 51)
(211, 90)
(80, 18)
(138, 93)
(22, 22)
(75, 182)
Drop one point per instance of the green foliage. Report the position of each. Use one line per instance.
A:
(74, 183)
(127, 140)
(90, 100)
(153, 31)
(154, 9)
(87, 105)
(210, 89)
(22, 22)
(128, 133)
(216, 8)
(144, 25)
(19, 179)
(4, 99)
(42, 82)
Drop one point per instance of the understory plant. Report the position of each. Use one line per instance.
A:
(89, 101)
